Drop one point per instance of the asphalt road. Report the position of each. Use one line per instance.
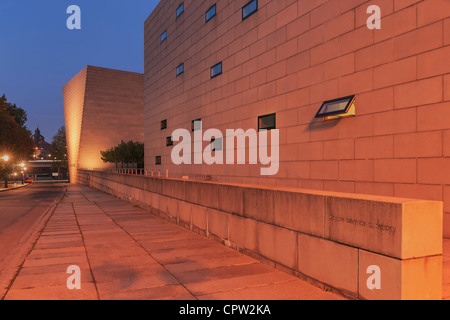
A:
(20, 209)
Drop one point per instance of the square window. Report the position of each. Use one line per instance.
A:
(335, 107)
(249, 9)
(158, 160)
(169, 142)
(216, 70)
(163, 36)
(216, 144)
(180, 69)
(163, 124)
(196, 125)
(267, 122)
(211, 13)
(180, 9)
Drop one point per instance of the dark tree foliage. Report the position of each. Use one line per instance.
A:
(58, 150)
(125, 153)
(15, 138)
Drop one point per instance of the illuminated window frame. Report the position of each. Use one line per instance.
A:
(348, 103)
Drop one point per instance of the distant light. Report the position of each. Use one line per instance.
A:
(6, 158)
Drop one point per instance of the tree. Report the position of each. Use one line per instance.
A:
(58, 150)
(125, 153)
(15, 138)
(20, 115)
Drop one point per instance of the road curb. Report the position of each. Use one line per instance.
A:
(11, 265)
(9, 189)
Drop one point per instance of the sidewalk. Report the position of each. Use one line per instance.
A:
(12, 186)
(126, 253)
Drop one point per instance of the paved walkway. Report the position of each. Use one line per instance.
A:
(11, 186)
(126, 253)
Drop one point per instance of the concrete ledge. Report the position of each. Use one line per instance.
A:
(331, 238)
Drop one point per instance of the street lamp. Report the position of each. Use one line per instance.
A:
(6, 159)
(22, 165)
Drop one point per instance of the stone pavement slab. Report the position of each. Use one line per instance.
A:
(127, 253)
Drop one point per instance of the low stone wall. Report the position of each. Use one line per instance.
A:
(366, 247)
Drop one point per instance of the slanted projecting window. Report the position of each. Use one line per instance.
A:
(267, 122)
(180, 69)
(158, 160)
(163, 36)
(249, 9)
(211, 13)
(337, 107)
(180, 9)
(163, 124)
(196, 125)
(169, 142)
(216, 70)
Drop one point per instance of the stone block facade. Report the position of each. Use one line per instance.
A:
(288, 58)
(102, 107)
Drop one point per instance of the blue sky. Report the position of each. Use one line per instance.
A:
(39, 54)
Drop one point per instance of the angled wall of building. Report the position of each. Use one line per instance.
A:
(102, 107)
(288, 58)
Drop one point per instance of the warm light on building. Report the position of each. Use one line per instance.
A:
(86, 97)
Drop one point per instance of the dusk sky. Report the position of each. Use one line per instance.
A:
(39, 54)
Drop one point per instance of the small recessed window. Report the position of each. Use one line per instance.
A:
(169, 141)
(158, 160)
(180, 9)
(267, 122)
(196, 125)
(216, 70)
(163, 124)
(216, 144)
(211, 13)
(337, 107)
(180, 69)
(163, 36)
(249, 9)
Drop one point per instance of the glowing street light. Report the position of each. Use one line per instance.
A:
(22, 165)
